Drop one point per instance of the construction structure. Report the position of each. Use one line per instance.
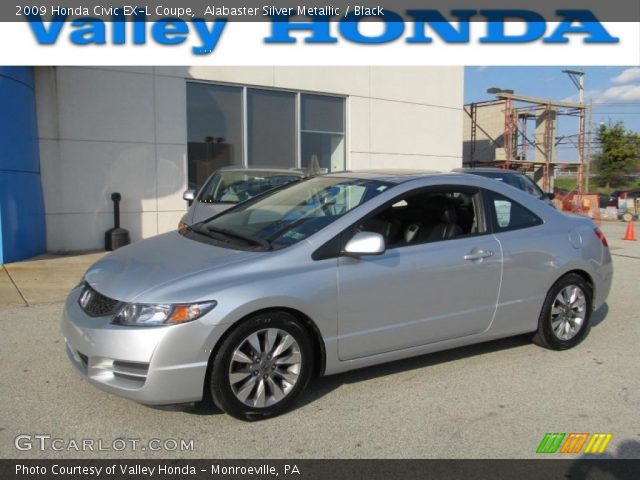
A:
(520, 132)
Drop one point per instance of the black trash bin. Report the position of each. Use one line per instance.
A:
(116, 237)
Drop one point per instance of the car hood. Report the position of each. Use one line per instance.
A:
(132, 273)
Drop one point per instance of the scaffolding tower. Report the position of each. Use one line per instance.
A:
(513, 143)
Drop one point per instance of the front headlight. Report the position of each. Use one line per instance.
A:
(140, 314)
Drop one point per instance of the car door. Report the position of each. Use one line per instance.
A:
(416, 294)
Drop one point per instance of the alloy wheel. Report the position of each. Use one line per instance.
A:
(568, 312)
(265, 367)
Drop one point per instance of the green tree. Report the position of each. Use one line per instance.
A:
(619, 154)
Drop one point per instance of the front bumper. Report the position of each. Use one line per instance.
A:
(151, 365)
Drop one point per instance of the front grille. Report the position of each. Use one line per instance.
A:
(97, 305)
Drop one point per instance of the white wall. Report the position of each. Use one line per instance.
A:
(106, 129)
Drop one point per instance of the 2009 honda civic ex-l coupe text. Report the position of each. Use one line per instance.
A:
(330, 274)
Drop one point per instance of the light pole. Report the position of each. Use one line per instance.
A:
(577, 77)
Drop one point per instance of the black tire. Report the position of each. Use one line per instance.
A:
(545, 336)
(220, 384)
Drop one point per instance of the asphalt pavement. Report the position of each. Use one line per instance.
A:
(495, 400)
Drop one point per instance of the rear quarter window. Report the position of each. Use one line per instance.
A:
(507, 214)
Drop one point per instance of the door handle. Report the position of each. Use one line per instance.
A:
(478, 254)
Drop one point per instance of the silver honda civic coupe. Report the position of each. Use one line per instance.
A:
(327, 275)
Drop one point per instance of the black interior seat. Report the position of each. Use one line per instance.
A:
(464, 212)
(442, 221)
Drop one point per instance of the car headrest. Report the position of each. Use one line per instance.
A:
(443, 209)
(449, 215)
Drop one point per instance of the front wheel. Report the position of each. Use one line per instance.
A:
(262, 366)
(564, 320)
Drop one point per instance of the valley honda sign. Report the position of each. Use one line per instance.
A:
(405, 32)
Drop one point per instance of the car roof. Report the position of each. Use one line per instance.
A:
(237, 168)
(388, 175)
(487, 170)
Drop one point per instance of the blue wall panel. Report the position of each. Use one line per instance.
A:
(22, 222)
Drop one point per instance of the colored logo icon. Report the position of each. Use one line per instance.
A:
(574, 442)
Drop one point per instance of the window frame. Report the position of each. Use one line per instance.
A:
(297, 119)
(493, 217)
(334, 248)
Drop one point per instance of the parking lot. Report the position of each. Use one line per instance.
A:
(491, 400)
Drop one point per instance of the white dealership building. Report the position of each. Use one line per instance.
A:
(151, 132)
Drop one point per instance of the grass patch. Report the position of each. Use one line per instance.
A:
(570, 184)
(566, 183)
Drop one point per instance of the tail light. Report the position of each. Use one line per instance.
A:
(182, 225)
(601, 236)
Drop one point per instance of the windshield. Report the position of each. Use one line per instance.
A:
(292, 214)
(235, 186)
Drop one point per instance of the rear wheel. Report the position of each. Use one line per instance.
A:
(564, 320)
(262, 366)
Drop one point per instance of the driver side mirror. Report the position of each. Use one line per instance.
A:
(550, 196)
(365, 243)
(189, 195)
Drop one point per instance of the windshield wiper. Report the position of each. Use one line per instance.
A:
(199, 228)
(228, 233)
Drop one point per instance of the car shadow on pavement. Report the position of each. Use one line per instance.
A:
(608, 465)
(319, 387)
(205, 407)
(599, 315)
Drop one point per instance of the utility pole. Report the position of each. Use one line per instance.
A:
(589, 140)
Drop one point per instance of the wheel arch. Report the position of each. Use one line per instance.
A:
(585, 276)
(542, 336)
(577, 271)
